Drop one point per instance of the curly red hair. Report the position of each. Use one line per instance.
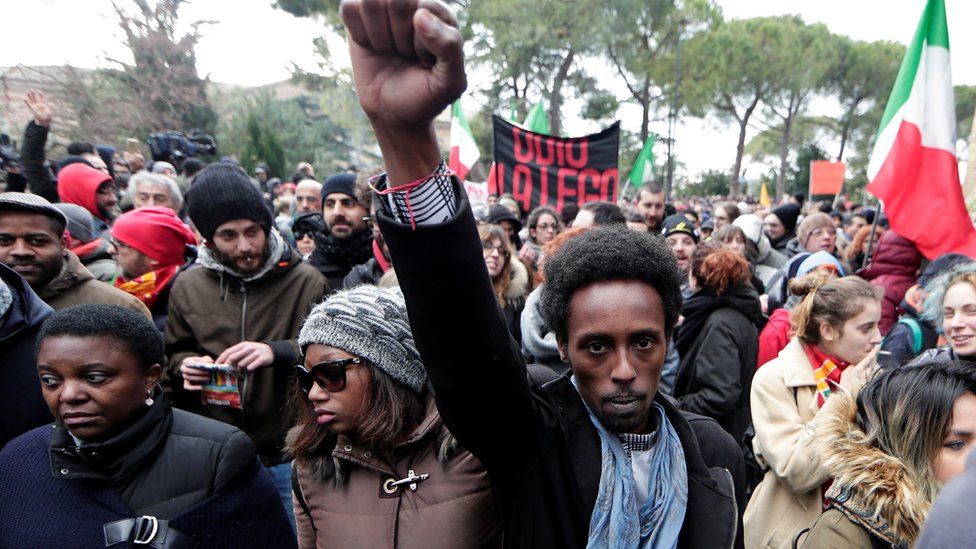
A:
(718, 268)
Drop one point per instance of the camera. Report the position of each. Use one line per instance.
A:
(174, 147)
(9, 157)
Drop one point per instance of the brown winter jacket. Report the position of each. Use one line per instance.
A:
(76, 286)
(874, 500)
(210, 311)
(452, 508)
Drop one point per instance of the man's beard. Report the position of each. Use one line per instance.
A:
(228, 261)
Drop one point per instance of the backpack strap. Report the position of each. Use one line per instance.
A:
(297, 489)
(916, 332)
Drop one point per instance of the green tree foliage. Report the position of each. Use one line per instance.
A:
(803, 60)
(323, 129)
(161, 84)
(534, 49)
(965, 107)
(798, 180)
(729, 73)
(861, 78)
(641, 41)
(710, 183)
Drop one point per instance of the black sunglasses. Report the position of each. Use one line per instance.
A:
(329, 375)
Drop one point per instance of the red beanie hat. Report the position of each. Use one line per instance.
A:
(78, 183)
(156, 232)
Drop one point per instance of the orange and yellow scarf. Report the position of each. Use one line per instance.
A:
(147, 287)
(826, 369)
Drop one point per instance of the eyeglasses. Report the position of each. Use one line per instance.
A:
(546, 227)
(487, 248)
(330, 375)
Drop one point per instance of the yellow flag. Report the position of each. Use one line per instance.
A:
(764, 199)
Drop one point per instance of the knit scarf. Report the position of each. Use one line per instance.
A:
(826, 369)
(347, 252)
(618, 521)
(278, 249)
(146, 288)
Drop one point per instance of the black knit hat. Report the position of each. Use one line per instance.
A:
(344, 183)
(787, 214)
(221, 193)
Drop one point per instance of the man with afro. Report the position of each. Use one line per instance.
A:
(592, 458)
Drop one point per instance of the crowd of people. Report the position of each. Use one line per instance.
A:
(198, 356)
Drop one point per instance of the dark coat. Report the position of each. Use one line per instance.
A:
(199, 474)
(335, 259)
(39, 179)
(899, 342)
(210, 311)
(367, 273)
(894, 267)
(22, 407)
(537, 442)
(716, 372)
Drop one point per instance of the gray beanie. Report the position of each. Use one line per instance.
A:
(371, 323)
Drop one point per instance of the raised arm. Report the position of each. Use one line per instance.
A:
(38, 177)
(408, 67)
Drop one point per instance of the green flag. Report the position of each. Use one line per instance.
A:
(643, 170)
(537, 120)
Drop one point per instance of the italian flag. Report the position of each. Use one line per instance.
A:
(464, 151)
(913, 168)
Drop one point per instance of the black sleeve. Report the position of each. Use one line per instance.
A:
(477, 371)
(39, 179)
(16, 183)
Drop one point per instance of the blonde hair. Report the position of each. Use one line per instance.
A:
(829, 300)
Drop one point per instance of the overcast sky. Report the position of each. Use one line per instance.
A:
(251, 44)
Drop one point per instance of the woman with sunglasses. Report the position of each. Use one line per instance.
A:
(374, 464)
(509, 278)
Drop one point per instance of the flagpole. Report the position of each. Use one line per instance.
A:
(874, 228)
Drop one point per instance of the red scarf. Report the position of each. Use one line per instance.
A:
(147, 287)
(826, 369)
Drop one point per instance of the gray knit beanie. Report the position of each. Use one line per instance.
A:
(371, 323)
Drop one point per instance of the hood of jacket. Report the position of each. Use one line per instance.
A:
(280, 259)
(79, 183)
(537, 340)
(72, 273)
(871, 488)
(895, 256)
(26, 309)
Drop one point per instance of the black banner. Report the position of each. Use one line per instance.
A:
(542, 170)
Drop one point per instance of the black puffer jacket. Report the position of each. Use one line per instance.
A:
(21, 405)
(149, 463)
(719, 359)
(200, 475)
(537, 442)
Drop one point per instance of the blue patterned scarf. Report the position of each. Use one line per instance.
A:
(617, 522)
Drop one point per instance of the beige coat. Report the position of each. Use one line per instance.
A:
(789, 497)
(451, 508)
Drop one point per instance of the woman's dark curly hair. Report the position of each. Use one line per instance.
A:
(608, 253)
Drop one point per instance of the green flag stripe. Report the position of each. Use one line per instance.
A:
(457, 113)
(932, 29)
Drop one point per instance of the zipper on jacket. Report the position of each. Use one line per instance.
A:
(242, 380)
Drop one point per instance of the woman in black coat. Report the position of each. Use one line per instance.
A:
(119, 464)
(718, 341)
